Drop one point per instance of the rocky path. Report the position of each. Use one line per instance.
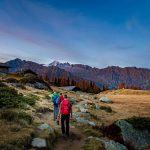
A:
(74, 142)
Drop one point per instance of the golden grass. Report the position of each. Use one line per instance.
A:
(126, 92)
(15, 76)
(14, 134)
(124, 106)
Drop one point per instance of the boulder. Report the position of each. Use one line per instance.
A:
(39, 85)
(105, 99)
(39, 143)
(82, 120)
(45, 126)
(83, 110)
(138, 139)
(110, 144)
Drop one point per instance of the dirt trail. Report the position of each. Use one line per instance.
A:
(74, 142)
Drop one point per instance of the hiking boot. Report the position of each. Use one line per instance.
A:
(64, 135)
(67, 136)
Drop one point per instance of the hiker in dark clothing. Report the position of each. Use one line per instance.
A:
(65, 111)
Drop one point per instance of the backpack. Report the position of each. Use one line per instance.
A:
(65, 107)
(56, 100)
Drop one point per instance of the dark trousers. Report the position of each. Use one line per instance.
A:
(65, 124)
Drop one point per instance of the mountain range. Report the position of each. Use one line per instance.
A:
(111, 76)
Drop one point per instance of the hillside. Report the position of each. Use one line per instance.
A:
(26, 115)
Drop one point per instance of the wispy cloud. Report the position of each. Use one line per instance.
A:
(44, 29)
(124, 47)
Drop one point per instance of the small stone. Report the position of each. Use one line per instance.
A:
(45, 126)
(92, 123)
(105, 99)
(83, 110)
(38, 142)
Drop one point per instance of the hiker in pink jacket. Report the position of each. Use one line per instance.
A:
(65, 111)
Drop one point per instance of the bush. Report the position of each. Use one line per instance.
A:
(11, 80)
(9, 98)
(29, 79)
(2, 84)
(16, 116)
(20, 85)
(37, 83)
(93, 144)
(92, 132)
(106, 108)
(31, 99)
(141, 123)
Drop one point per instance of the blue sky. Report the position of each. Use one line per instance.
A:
(98, 33)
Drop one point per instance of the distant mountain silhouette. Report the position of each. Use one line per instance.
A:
(18, 65)
(110, 76)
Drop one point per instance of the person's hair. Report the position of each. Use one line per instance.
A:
(60, 93)
(65, 96)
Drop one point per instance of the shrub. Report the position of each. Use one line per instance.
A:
(11, 80)
(11, 99)
(28, 80)
(37, 83)
(2, 84)
(16, 116)
(31, 99)
(20, 85)
(92, 132)
(140, 122)
(106, 108)
(93, 144)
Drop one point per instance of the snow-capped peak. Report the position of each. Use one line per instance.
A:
(54, 63)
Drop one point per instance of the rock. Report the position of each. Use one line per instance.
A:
(82, 120)
(84, 115)
(85, 106)
(39, 85)
(109, 144)
(83, 110)
(138, 139)
(45, 126)
(38, 142)
(35, 92)
(112, 145)
(91, 123)
(105, 99)
(85, 121)
(72, 127)
(97, 107)
(91, 137)
(75, 115)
